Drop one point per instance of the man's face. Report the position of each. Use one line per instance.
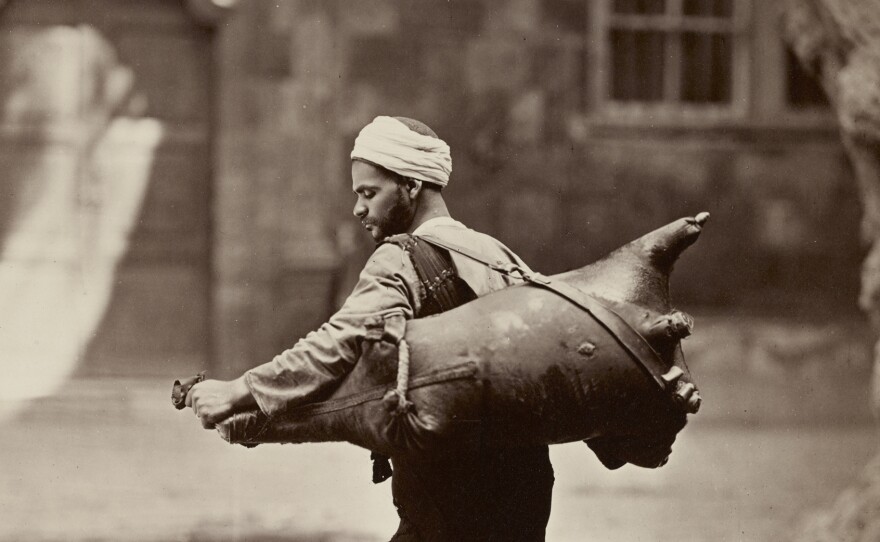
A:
(383, 205)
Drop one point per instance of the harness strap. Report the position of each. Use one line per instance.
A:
(630, 339)
(440, 287)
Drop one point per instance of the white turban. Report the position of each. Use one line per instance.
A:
(389, 143)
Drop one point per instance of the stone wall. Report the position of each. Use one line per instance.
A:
(506, 84)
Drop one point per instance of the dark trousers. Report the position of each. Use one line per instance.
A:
(496, 495)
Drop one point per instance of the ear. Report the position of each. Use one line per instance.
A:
(414, 188)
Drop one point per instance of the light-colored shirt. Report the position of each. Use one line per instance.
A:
(388, 284)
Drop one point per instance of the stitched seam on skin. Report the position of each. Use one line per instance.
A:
(458, 372)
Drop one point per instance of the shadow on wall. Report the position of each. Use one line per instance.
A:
(157, 320)
(78, 224)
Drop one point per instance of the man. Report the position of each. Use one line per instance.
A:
(399, 168)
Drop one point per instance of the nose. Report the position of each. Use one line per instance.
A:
(360, 210)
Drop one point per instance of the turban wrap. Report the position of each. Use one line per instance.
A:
(389, 143)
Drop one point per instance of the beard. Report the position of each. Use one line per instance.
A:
(398, 219)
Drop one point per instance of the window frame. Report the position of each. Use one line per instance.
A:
(607, 110)
(770, 107)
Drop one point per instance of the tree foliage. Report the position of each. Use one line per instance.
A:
(839, 42)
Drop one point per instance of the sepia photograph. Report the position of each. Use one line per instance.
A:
(439, 270)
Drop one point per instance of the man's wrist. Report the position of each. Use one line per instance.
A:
(243, 398)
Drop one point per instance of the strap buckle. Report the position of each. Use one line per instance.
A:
(515, 271)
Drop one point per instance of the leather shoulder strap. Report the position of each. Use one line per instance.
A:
(441, 289)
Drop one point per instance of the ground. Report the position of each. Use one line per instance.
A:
(111, 460)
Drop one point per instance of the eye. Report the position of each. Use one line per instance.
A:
(368, 194)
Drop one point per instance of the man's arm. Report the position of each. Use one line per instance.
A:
(318, 361)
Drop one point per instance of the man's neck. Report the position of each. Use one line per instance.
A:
(431, 208)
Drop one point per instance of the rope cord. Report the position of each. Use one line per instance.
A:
(403, 404)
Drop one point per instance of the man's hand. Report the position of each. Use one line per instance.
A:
(215, 400)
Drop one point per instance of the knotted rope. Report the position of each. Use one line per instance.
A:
(381, 466)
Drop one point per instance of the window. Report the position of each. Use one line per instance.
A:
(673, 55)
(803, 91)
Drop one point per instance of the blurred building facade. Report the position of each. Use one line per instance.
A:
(198, 153)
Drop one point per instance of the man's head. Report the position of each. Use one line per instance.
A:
(399, 166)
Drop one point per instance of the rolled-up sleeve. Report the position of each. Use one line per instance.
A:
(316, 363)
